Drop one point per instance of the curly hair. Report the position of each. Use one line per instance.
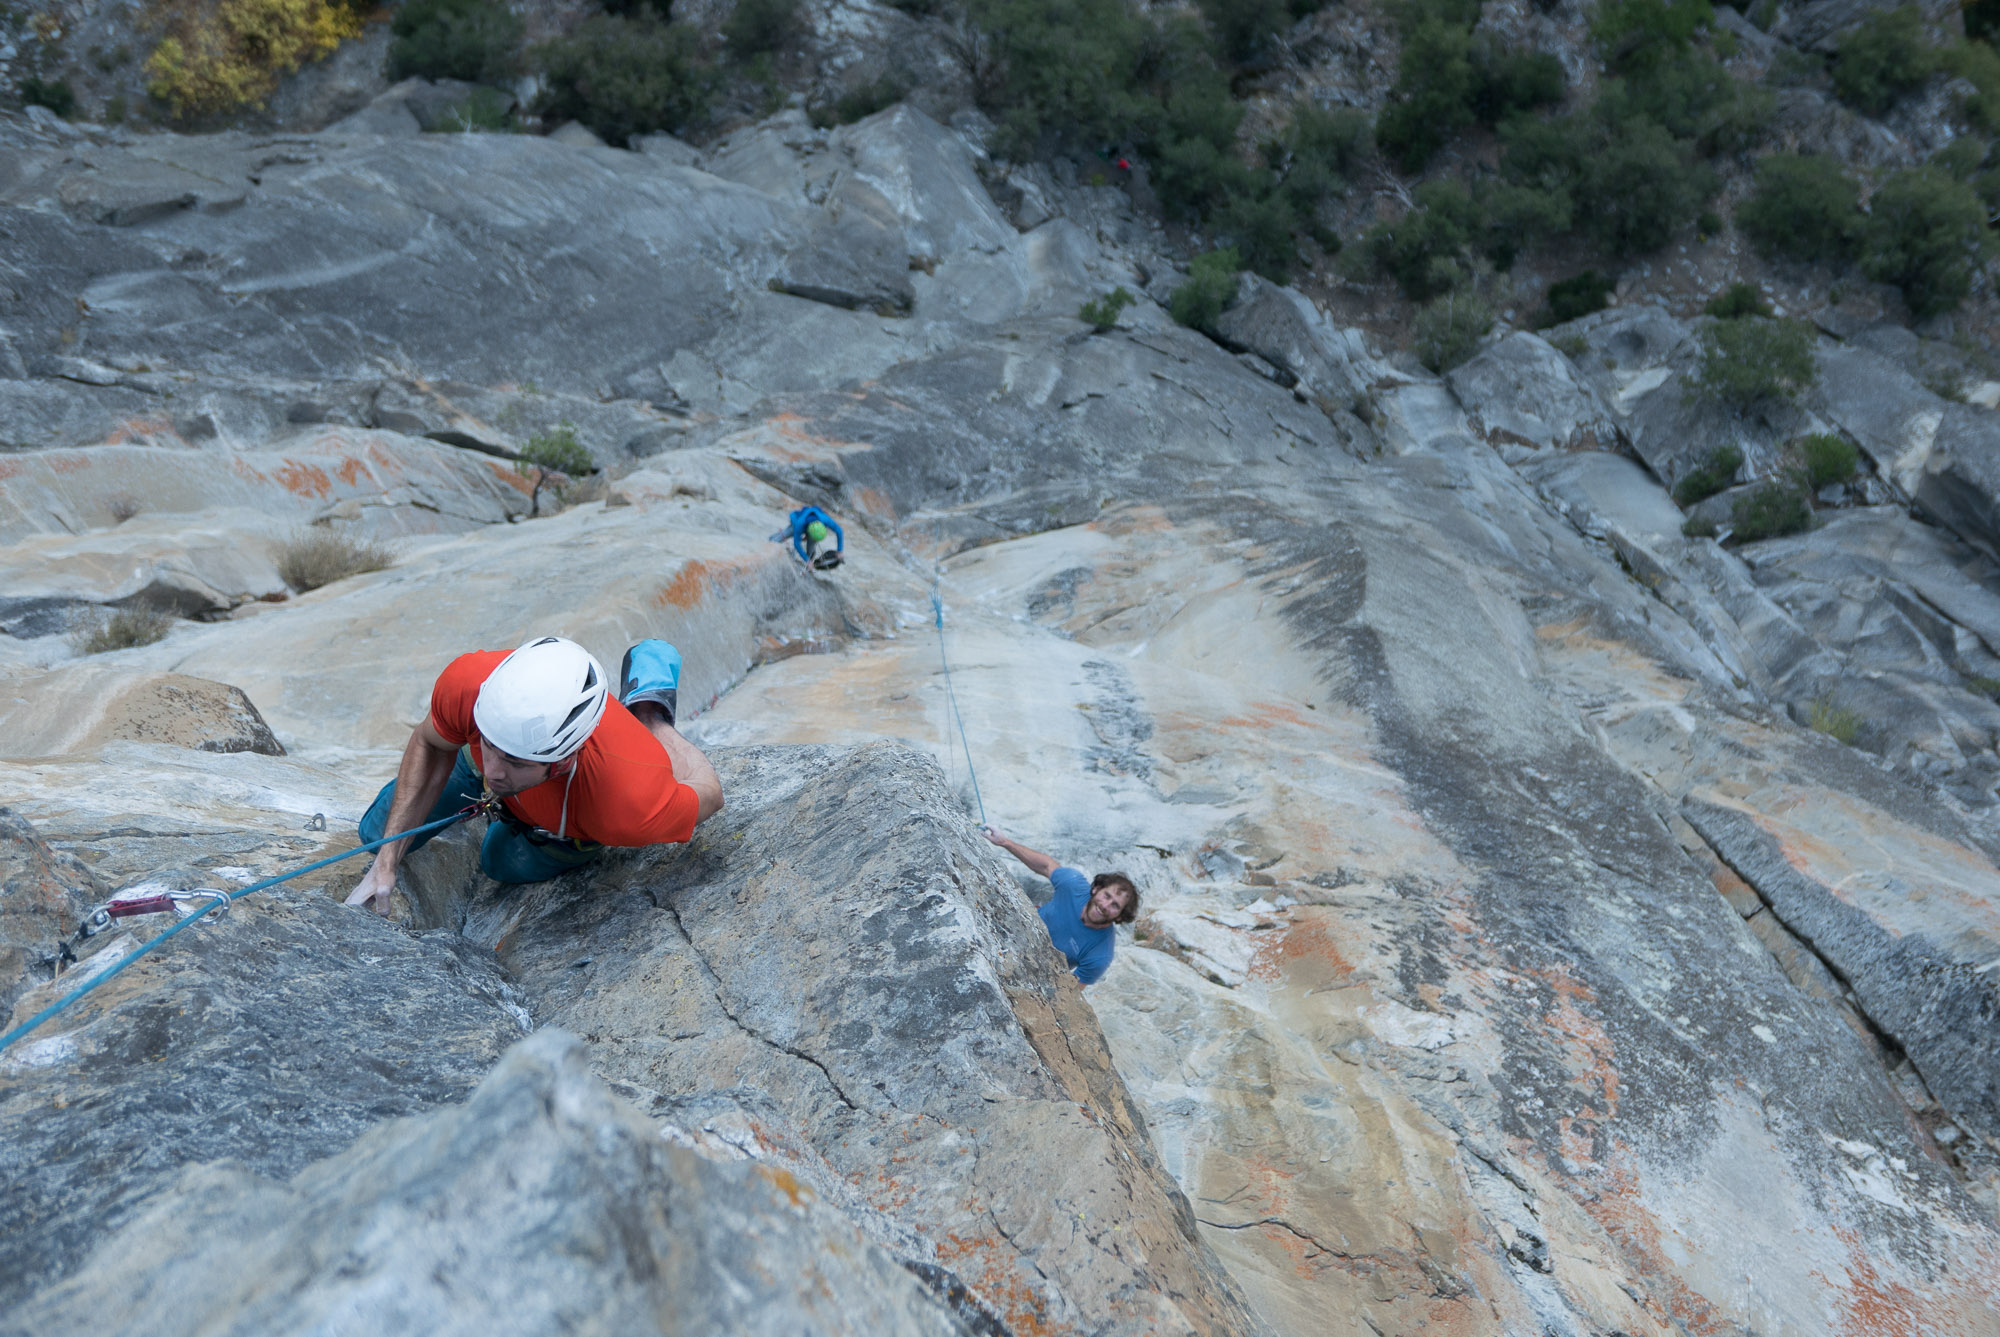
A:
(1131, 911)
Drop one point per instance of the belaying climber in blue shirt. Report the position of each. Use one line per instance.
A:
(807, 528)
(1080, 915)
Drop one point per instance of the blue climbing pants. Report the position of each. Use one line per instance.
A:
(508, 854)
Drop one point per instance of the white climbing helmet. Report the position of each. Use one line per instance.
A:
(543, 700)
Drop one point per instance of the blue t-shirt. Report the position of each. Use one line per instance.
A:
(1087, 949)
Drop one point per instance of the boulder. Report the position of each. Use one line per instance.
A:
(854, 257)
(79, 707)
(542, 1204)
(1960, 481)
(1520, 392)
(1883, 409)
(926, 174)
(1332, 366)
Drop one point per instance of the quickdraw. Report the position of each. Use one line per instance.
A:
(101, 918)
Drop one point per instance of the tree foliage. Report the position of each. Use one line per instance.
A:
(478, 41)
(623, 77)
(1926, 234)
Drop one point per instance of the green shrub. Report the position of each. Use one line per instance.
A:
(1738, 299)
(1748, 359)
(1516, 216)
(1641, 189)
(1103, 311)
(1827, 459)
(1423, 250)
(1837, 722)
(55, 94)
(1882, 59)
(556, 451)
(316, 556)
(1698, 527)
(1577, 296)
(1803, 206)
(1062, 70)
(1694, 98)
(623, 77)
(478, 41)
(1433, 96)
(141, 624)
(1322, 153)
(1210, 287)
(1448, 329)
(1511, 82)
(1711, 476)
(861, 102)
(1243, 29)
(1963, 157)
(1926, 234)
(759, 25)
(1638, 34)
(1978, 64)
(1771, 511)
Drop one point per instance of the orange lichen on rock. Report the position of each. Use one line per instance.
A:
(696, 579)
(304, 480)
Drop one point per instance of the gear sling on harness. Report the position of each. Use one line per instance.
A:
(218, 902)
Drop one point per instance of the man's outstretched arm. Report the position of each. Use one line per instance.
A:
(420, 779)
(1038, 863)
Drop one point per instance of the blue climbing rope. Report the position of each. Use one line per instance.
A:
(63, 1004)
(937, 610)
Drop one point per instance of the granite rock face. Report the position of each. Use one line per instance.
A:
(1514, 955)
(542, 1204)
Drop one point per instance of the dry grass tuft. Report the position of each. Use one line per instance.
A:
(139, 625)
(315, 557)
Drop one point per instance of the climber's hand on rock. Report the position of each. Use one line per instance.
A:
(375, 888)
(992, 833)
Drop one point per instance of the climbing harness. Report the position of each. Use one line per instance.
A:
(215, 904)
(937, 610)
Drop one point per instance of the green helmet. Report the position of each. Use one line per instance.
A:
(816, 531)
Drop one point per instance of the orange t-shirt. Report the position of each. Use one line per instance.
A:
(623, 791)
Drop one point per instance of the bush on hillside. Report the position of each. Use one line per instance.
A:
(1748, 359)
(1694, 98)
(1827, 459)
(55, 94)
(1639, 189)
(1447, 329)
(1639, 34)
(1771, 511)
(1738, 299)
(1424, 250)
(233, 55)
(755, 26)
(1577, 296)
(1320, 156)
(478, 41)
(1210, 288)
(1882, 59)
(1102, 311)
(1979, 65)
(1433, 96)
(1716, 471)
(623, 77)
(1926, 234)
(1512, 82)
(1803, 206)
(1243, 29)
(551, 453)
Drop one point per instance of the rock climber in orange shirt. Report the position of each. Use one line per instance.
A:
(574, 770)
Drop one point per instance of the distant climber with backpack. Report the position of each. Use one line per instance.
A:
(808, 527)
(1080, 915)
(572, 769)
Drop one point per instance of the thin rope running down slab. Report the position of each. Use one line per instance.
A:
(951, 695)
(64, 1004)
